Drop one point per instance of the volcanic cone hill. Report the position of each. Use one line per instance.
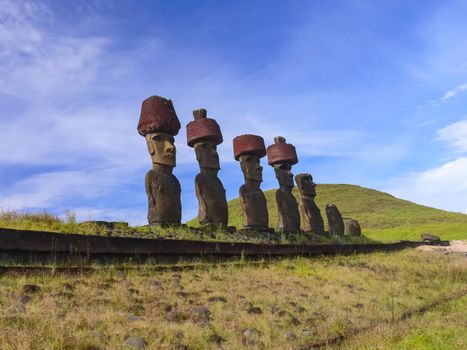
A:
(381, 215)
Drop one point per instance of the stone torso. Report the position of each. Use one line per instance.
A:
(312, 219)
(163, 192)
(335, 221)
(289, 216)
(255, 210)
(352, 228)
(212, 202)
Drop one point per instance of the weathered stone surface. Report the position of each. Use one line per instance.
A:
(203, 128)
(254, 310)
(201, 314)
(250, 336)
(204, 134)
(249, 144)
(218, 299)
(282, 156)
(212, 202)
(281, 152)
(249, 149)
(175, 316)
(216, 339)
(30, 289)
(158, 115)
(335, 221)
(136, 342)
(290, 336)
(429, 237)
(134, 318)
(159, 124)
(352, 228)
(312, 220)
(163, 190)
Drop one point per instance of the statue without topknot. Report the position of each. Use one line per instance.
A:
(282, 156)
(159, 124)
(352, 228)
(248, 150)
(335, 221)
(204, 135)
(311, 215)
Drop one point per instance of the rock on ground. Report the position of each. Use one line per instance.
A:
(455, 247)
(136, 342)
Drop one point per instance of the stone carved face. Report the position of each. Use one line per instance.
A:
(306, 185)
(206, 154)
(284, 175)
(161, 147)
(251, 168)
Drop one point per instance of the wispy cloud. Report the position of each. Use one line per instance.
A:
(447, 96)
(455, 135)
(454, 92)
(440, 187)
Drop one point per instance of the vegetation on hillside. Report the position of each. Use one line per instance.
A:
(382, 216)
(291, 303)
(44, 221)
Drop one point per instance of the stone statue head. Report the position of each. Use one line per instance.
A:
(305, 184)
(204, 134)
(161, 147)
(284, 174)
(282, 155)
(251, 168)
(159, 124)
(206, 154)
(248, 150)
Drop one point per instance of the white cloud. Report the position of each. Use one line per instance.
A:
(454, 92)
(18, 33)
(456, 135)
(43, 190)
(443, 187)
(447, 95)
(36, 62)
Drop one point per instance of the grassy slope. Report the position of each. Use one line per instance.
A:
(382, 216)
(314, 299)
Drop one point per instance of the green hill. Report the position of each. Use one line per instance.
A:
(381, 215)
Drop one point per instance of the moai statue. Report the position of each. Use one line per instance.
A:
(352, 228)
(159, 124)
(248, 150)
(282, 156)
(204, 135)
(335, 222)
(311, 215)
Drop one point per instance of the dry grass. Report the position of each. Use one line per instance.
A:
(311, 299)
(44, 221)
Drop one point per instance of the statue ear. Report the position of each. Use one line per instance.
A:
(151, 148)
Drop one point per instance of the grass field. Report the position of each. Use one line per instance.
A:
(442, 328)
(382, 217)
(287, 305)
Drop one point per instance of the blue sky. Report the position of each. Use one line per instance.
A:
(370, 93)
